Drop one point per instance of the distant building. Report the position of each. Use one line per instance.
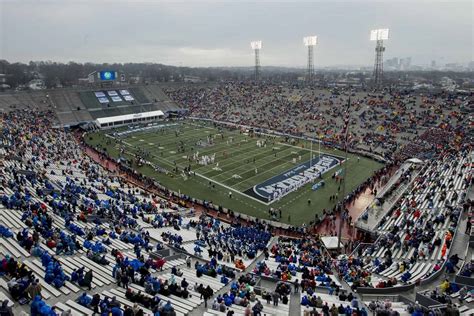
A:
(471, 65)
(3, 82)
(433, 64)
(192, 79)
(83, 81)
(392, 63)
(448, 84)
(135, 79)
(92, 77)
(454, 66)
(423, 86)
(36, 84)
(405, 63)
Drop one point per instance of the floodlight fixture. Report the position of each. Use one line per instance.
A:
(256, 44)
(310, 40)
(379, 35)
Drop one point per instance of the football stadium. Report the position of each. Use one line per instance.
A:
(141, 188)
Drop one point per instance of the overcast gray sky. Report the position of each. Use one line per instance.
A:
(218, 33)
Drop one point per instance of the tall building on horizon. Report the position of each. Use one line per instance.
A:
(392, 63)
(405, 63)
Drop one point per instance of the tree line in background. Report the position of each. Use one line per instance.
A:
(55, 74)
(67, 74)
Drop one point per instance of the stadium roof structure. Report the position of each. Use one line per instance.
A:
(119, 118)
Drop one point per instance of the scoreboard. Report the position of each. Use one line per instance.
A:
(107, 75)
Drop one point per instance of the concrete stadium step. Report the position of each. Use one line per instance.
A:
(121, 298)
(14, 248)
(39, 274)
(68, 284)
(171, 298)
(78, 308)
(189, 303)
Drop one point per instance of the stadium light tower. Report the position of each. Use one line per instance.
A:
(257, 46)
(378, 35)
(310, 42)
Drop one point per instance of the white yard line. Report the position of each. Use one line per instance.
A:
(232, 189)
(241, 164)
(267, 170)
(314, 151)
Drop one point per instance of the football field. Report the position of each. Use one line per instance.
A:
(239, 170)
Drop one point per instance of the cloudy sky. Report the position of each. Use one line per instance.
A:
(218, 33)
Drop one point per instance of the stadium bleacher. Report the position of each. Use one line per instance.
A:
(88, 240)
(417, 234)
(74, 106)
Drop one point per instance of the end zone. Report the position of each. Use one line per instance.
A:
(291, 180)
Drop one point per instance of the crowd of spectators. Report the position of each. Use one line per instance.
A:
(379, 122)
(109, 207)
(226, 243)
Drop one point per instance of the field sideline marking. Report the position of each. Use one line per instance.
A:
(232, 189)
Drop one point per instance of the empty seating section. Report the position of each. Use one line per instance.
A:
(89, 100)
(139, 95)
(156, 95)
(24, 100)
(73, 106)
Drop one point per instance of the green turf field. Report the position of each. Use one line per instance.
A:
(237, 157)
